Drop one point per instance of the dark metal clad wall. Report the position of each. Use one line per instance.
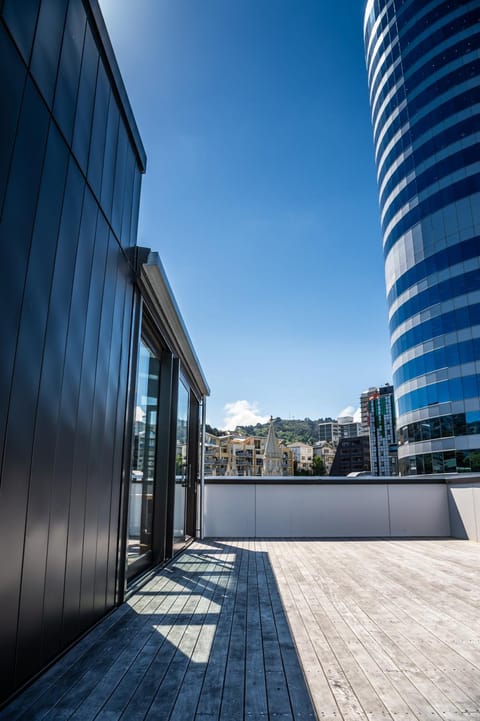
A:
(69, 194)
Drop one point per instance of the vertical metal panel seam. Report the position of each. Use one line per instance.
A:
(13, 374)
(27, 75)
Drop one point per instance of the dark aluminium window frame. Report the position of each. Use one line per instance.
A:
(174, 368)
(153, 341)
(145, 327)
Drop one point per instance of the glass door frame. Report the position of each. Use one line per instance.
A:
(181, 465)
(193, 456)
(151, 339)
(145, 326)
(191, 469)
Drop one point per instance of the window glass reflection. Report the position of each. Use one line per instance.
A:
(427, 463)
(426, 427)
(446, 426)
(143, 455)
(474, 458)
(181, 464)
(449, 462)
(463, 462)
(467, 461)
(437, 462)
(459, 424)
(417, 432)
(472, 419)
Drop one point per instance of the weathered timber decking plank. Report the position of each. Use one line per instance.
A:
(381, 630)
(362, 591)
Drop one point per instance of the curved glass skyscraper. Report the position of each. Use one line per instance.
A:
(423, 64)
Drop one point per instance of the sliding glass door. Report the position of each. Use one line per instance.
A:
(142, 482)
(181, 466)
(162, 488)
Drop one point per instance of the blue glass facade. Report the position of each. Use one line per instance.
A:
(423, 66)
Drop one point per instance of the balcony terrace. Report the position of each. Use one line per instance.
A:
(345, 629)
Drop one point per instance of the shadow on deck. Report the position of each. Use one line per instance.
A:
(206, 639)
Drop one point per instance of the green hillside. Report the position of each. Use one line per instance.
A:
(290, 431)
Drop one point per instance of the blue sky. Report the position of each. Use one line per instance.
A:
(260, 194)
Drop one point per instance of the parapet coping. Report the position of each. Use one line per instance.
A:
(341, 480)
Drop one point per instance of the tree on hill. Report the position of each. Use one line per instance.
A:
(214, 431)
(289, 431)
(286, 430)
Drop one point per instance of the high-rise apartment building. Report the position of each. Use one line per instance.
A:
(365, 419)
(329, 430)
(352, 456)
(424, 77)
(383, 446)
(348, 427)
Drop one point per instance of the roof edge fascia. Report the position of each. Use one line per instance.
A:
(155, 287)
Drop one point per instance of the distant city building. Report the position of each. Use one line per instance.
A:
(383, 445)
(326, 451)
(352, 456)
(365, 417)
(211, 455)
(348, 427)
(329, 430)
(231, 455)
(424, 81)
(302, 456)
(332, 430)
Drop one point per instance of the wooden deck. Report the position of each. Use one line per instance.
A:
(284, 630)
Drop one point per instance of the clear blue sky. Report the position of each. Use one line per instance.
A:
(260, 193)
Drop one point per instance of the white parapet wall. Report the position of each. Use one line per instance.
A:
(464, 506)
(251, 508)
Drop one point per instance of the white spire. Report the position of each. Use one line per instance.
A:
(272, 456)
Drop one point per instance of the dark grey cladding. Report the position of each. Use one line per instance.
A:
(70, 170)
(100, 386)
